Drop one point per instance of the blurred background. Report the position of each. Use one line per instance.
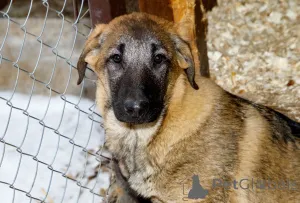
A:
(51, 135)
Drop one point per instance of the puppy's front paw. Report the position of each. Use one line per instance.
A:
(117, 194)
(119, 190)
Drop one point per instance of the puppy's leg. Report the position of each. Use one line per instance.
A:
(120, 191)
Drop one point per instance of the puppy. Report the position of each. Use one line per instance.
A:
(168, 129)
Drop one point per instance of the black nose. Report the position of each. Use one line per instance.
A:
(136, 108)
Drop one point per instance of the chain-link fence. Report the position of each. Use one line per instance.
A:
(50, 131)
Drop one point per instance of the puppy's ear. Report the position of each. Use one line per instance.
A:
(185, 58)
(89, 53)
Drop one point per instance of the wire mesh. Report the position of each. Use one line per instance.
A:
(50, 143)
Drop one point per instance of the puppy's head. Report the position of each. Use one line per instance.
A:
(139, 57)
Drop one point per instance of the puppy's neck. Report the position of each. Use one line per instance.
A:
(128, 135)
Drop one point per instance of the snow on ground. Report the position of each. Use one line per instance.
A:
(253, 50)
(32, 138)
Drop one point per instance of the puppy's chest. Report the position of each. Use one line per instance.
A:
(129, 148)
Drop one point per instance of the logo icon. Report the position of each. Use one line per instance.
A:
(197, 191)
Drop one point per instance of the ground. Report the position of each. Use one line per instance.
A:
(254, 52)
(56, 152)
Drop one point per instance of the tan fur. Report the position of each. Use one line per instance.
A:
(207, 132)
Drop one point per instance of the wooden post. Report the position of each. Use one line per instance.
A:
(75, 9)
(201, 32)
(193, 14)
(159, 8)
(103, 11)
(3, 3)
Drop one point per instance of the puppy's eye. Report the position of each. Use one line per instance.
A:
(159, 58)
(117, 58)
